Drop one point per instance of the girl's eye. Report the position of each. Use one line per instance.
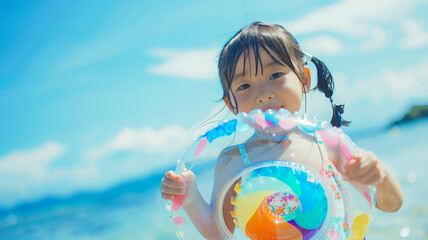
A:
(276, 75)
(243, 87)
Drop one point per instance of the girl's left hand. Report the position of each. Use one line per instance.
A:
(365, 168)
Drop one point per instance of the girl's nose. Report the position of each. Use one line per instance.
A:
(265, 97)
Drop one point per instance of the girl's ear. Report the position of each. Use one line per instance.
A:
(230, 102)
(306, 80)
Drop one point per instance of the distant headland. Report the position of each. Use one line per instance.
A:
(415, 112)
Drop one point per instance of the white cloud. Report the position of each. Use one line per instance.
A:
(32, 163)
(367, 22)
(416, 37)
(20, 186)
(393, 84)
(375, 100)
(168, 139)
(361, 19)
(322, 44)
(191, 64)
(24, 172)
(353, 17)
(378, 39)
(28, 175)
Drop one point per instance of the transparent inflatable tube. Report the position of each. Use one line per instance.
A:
(204, 152)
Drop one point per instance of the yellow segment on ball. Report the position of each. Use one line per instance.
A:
(246, 205)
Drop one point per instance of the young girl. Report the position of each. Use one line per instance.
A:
(263, 67)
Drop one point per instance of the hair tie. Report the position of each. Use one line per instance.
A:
(307, 55)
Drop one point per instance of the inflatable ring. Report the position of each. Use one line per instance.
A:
(266, 175)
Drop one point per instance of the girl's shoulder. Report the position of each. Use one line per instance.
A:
(228, 162)
(228, 156)
(338, 146)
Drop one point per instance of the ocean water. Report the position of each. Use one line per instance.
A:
(135, 210)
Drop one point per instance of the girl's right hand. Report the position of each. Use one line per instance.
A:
(174, 184)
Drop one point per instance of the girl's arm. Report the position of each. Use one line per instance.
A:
(367, 169)
(389, 196)
(200, 213)
(194, 204)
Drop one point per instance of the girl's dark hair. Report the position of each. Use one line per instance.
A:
(284, 49)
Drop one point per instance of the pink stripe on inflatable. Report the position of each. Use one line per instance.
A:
(263, 123)
(345, 151)
(329, 139)
(201, 146)
(286, 124)
(178, 220)
(177, 202)
(368, 197)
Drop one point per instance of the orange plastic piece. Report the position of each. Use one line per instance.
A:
(268, 226)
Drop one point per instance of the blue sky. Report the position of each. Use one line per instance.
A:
(92, 94)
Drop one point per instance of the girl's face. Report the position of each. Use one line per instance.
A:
(276, 87)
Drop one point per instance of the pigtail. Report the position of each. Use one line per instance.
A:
(325, 84)
(337, 120)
